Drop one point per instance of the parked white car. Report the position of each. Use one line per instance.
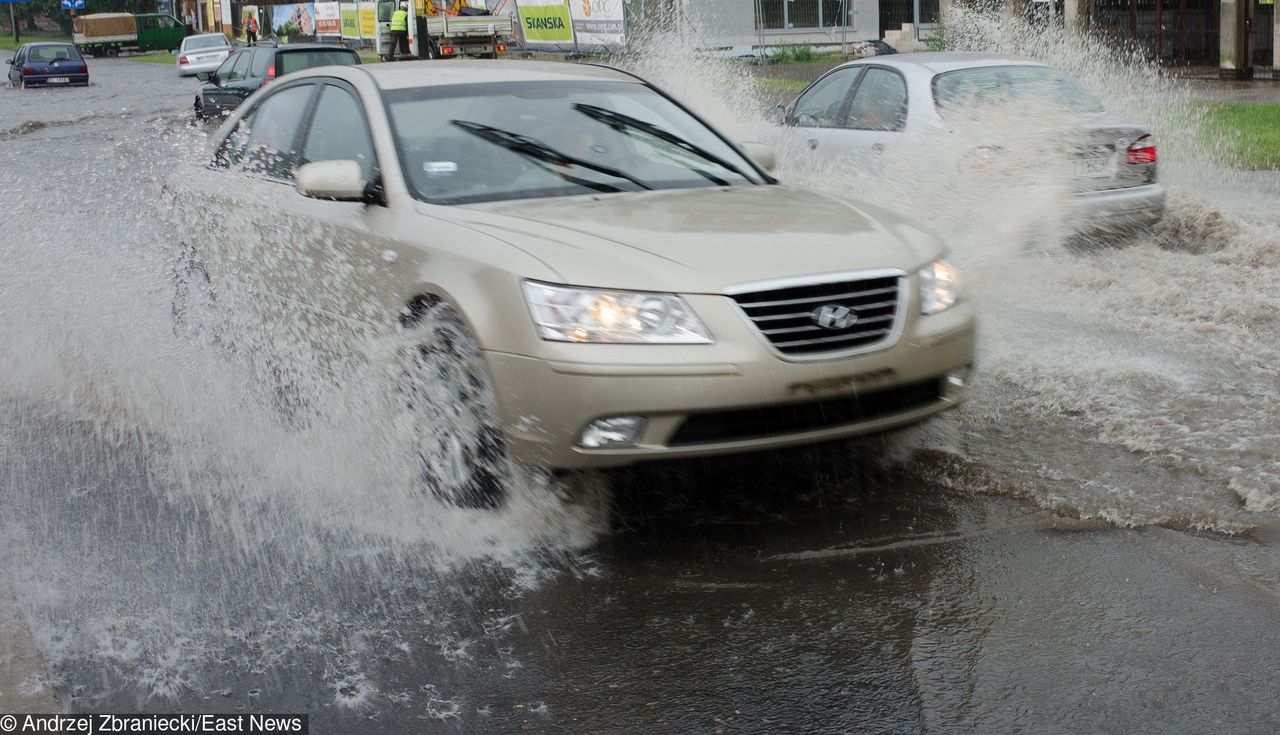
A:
(204, 52)
(869, 106)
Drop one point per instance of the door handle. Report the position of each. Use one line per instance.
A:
(813, 144)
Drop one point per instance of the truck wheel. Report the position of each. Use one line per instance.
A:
(113, 51)
(449, 401)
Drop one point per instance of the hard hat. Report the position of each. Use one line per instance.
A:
(404, 6)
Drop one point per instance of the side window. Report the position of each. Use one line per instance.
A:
(339, 132)
(258, 67)
(167, 22)
(880, 102)
(224, 71)
(241, 68)
(147, 23)
(820, 107)
(266, 143)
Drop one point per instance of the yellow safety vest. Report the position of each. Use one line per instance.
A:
(400, 20)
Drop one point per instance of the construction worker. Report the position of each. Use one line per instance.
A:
(400, 31)
(251, 28)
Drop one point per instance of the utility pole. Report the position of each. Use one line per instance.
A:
(844, 30)
(13, 20)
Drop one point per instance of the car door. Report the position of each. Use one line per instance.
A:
(217, 99)
(347, 268)
(15, 69)
(240, 218)
(877, 113)
(821, 108)
(241, 85)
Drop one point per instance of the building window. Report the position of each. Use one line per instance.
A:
(772, 13)
(798, 14)
(802, 14)
(831, 12)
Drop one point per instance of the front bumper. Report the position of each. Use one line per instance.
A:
(736, 395)
(1132, 207)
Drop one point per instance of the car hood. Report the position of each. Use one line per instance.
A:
(700, 240)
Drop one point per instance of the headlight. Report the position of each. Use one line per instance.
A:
(939, 287)
(567, 314)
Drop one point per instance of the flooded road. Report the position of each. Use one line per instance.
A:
(1091, 545)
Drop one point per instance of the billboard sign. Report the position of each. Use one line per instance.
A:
(328, 19)
(545, 22)
(368, 19)
(598, 22)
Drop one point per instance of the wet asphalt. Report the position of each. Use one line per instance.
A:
(809, 592)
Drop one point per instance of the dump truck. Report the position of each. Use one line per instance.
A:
(442, 29)
(107, 34)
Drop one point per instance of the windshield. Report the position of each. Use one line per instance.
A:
(201, 42)
(475, 143)
(970, 89)
(291, 61)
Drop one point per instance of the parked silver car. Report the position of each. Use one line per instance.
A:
(869, 106)
(203, 52)
(631, 284)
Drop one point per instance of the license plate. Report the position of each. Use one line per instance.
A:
(1093, 167)
(59, 80)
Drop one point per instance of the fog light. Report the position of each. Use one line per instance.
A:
(956, 384)
(615, 431)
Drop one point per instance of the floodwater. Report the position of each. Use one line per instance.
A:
(1090, 545)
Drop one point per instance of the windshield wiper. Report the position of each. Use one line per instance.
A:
(625, 123)
(539, 151)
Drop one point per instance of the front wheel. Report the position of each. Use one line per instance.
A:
(449, 401)
(113, 52)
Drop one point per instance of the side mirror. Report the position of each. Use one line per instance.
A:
(173, 52)
(340, 181)
(9, 61)
(776, 115)
(204, 76)
(762, 154)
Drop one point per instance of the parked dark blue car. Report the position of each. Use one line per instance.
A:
(48, 64)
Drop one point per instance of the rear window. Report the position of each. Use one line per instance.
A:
(972, 89)
(203, 42)
(291, 61)
(52, 53)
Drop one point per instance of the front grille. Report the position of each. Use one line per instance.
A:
(793, 418)
(788, 317)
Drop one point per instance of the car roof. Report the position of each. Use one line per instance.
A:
(409, 74)
(48, 43)
(941, 61)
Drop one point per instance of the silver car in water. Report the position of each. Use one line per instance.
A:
(204, 52)
(631, 284)
(869, 106)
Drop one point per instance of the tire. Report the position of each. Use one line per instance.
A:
(113, 52)
(449, 401)
(199, 109)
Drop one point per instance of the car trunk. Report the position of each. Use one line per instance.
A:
(1101, 161)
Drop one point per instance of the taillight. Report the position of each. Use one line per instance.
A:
(1143, 150)
(271, 74)
(502, 48)
(182, 59)
(447, 51)
(28, 70)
